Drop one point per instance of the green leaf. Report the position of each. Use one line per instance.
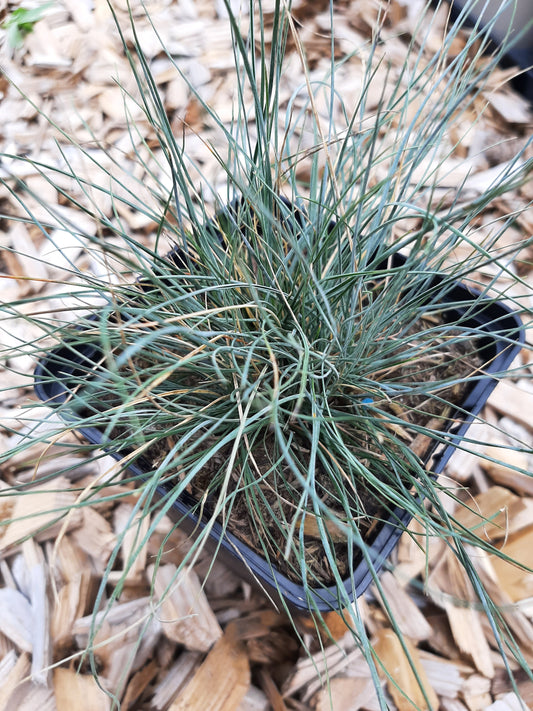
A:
(20, 23)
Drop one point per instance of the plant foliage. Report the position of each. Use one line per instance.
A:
(281, 359)
(20, 23)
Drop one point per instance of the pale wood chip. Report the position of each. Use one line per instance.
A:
(138, 684)
(515, 581)
(452, 704)
(410, 620)
(513, 401)
(254, 700)
(476, 692)
(219, 580)
(516, 617)
(16, 674)
(484, 180)
(26, 258)
(415, 549)
(29, 696)
(503, 469)
(70, 605)
(511, 107)
(444, 675)
(450, 588)
(467, 630)
(179, 675)
(41, 511)
(409, 691)
(490, 515)
(352, 664)
(7, 664)
(310, 668)
(68, 560)
(348, 694)
(226, 669)
(78, 691)
(465, 458)
(131, 530)
(95, 536)
(37, 581)
(177, 93)
(81, 14)
(509, 702)
(118, 630)
(184, 611)
(115, 615)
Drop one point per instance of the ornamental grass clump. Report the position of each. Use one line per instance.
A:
(294, 393)
(291, 351)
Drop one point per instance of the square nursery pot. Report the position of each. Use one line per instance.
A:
(500, 342)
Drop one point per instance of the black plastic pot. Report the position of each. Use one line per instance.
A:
(516, 19)
(500, 343)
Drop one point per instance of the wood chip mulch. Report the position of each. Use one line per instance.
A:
(220, 646)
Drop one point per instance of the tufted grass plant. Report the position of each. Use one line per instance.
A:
(264, 359)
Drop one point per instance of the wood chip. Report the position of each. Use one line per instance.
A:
(271, 690)
(397, 603)
(68, 559)
(78, 691)
(309, 669)
(509, 702)
(184, 612)
(31, 272)
(449, 587)
(131, 531)
(37, 579)
(452, 705)
(416, 547)
(39, 510)
(511, 107)
(71, 604)
(7, 662)
(331, 625)
(178, 677)
(403, 684)
(517, 582)
(138, 684)
(348, 694)
(95, 536)
(254, 700)
(500, 685)
(467, 629)
(488, 514)
(16, 618)
(68, 67)
(116, 632)
(11, 681)
(503, 470)
(444, 675)
(476, 692)
(226, 670)
(514, 401)
(29, 696)
(463, 461)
